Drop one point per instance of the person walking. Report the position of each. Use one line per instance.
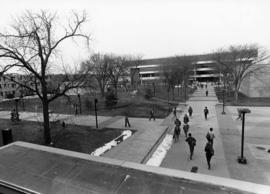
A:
(177, 123)
(206, 92)
(210, 136)
(190, 111)
(152, 115)
(186, 128)
(127, 121)
(186, 119)
(174, 112)
(206, 112)
(192, 143)
(209, 152)
(176, 133)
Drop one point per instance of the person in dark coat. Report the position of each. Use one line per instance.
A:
(174, 112)
(177, 123)
(176, 133)
(127, 121)
(186, 128)
(186, 119)
(209, 152)
(206, 93)
(192, 143)
(152, 115)
(190, 111)
(206, 112)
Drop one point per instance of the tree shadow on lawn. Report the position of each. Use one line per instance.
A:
(72, 137)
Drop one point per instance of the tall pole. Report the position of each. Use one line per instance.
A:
(243, 135)
(80, 104)
(223, 98)
(96, 112)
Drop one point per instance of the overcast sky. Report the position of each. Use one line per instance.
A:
(156, 28)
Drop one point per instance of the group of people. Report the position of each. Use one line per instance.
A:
(177, 122)
(191, 141)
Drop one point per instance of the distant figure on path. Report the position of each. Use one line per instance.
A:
(210, 136)
(174, 112)
(206, 112)
(127, 121)
(152, 116)
(190, 111)
(206, 92)
(186, 128)
(176, 133)
(177, 123)
(192, 143)
(209, 152)
(186, 119)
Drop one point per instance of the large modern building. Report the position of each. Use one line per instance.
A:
(203, 69)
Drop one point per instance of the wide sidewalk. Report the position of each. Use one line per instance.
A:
(178, 156)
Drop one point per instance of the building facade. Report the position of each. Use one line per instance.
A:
(203, 69)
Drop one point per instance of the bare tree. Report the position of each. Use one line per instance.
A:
(183, 66)
(238, 62)
(134, 62)
(117, 70)
(31, 45)
(98, 66)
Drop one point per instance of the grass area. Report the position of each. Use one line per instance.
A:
(73, 137)
(136, 106)
(243, 100)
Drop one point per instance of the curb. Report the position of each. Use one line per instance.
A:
(154, 147)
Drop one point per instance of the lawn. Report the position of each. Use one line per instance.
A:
(243, 100)
(72, 137)
(136, 106)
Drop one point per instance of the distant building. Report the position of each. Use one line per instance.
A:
(203, 69)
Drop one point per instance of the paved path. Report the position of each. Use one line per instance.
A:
(257, 136)
(178, 156)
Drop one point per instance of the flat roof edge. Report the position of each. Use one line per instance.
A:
(208, 179)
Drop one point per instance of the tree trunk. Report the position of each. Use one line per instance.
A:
(172, 93)
(178, 89)
(236, 89)
(46, 121)
(101, 86)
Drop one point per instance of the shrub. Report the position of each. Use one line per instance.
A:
(111, 99)
(148, 94)
(9, 96)
(88, 103)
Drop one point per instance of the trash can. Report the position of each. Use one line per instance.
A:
(7, 136)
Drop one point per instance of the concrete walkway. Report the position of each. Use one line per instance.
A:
(178, 156)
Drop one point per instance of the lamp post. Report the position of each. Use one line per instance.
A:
(223, 104)
(80, 105)
(223, 99)
(96, 101)
(243, 111)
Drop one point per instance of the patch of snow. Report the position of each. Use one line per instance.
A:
(161, 151)
(104, 148)
(126, 134)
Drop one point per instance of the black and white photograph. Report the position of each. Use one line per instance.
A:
(135, 97)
